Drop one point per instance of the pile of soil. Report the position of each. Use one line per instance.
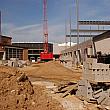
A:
(17, 93)
(51, 71)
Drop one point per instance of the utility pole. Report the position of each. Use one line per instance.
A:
(65, 26)
(70, 27)
(77, 14)
(65, 33)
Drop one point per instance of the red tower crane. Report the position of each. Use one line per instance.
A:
(45, 27)
(45, 56)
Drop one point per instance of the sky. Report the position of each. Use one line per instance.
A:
(23, 19)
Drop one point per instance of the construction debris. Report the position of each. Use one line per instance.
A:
(67, 89)
(58, 80)
(94, 86)
(15, 62)
(70, 89)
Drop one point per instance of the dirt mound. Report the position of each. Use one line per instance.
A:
(17, 93)
(51, 71)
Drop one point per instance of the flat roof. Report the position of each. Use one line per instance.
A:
(15, 46)
(31, 42)
(6, 37)
(102, 36)
(80, 35)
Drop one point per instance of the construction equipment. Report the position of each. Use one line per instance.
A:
(45, 56)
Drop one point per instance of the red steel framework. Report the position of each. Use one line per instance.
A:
(45, 27)
(46, 56)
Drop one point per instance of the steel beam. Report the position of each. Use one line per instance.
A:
(94, 22)
(86, 30)
(81, 35)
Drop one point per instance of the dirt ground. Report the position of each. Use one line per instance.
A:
(35, 92)
(51, 71)
(17, 93)
(50, 74)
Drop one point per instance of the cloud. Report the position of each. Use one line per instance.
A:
(27, 33)
(34, 33)
(27, 27)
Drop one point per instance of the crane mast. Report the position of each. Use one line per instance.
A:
(45, 26)
(46, 55)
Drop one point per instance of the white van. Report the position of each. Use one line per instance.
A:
(32, 59)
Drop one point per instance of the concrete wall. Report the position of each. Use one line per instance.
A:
(103, 46)
(71, 55)
(57, 49)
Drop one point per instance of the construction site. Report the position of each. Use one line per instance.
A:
(53, 76)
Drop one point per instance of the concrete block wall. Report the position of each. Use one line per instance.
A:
(97, 72)
(12, 63)
(84, 89)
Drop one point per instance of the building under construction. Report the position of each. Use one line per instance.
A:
(98, 44)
